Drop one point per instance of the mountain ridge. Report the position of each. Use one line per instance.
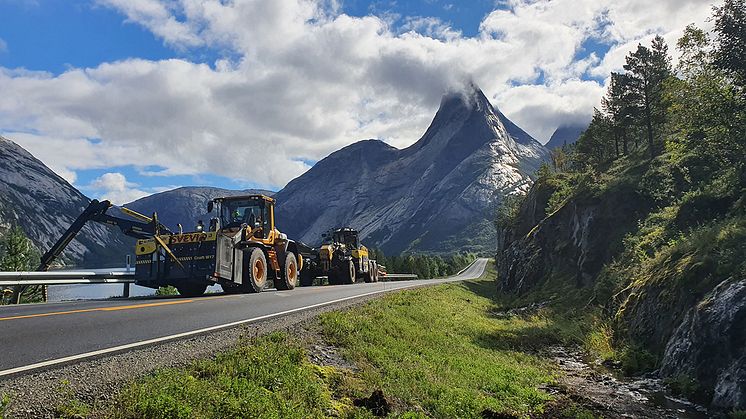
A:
(465, 154)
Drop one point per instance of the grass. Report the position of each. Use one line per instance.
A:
(441, 351)
(444, 351)
(4, 404)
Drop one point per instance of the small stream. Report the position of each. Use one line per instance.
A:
(606, 389)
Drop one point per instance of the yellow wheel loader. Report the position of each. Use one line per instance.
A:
(341, 258)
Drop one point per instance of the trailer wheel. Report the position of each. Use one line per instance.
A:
(349, 274)
(254, 270)
(191, 290)
(289, 277)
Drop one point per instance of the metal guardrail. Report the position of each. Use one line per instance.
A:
(92, 276)
(400, 276)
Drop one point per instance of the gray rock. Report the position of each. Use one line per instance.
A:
(44, 205)
(710, 346)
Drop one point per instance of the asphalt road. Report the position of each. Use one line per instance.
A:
(41, 335)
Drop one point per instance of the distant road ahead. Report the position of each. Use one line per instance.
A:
(41, 335)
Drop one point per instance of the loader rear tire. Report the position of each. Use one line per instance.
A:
(191, 290)
(289, 276)
(368, 276)
(254, 270)
(349, 273)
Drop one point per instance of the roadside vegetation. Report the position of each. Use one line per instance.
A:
(17, 253)
(445, 351)
(425, 266)
(668, 145)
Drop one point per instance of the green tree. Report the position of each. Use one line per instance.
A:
(647, 69)
(594, 148)
(707, 110)
(619, 109)
(19, 254)
(730, 28)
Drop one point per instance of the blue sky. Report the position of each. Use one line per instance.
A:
(68, 69)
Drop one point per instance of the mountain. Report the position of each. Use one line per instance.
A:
(565, 135)
(44, 205)
(435, 196)
(185, 205)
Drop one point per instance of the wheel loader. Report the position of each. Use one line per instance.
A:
(341, 258)
(240, 249)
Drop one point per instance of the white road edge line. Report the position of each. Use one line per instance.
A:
(198, 331)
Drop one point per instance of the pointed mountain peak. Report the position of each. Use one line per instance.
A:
(469, 98)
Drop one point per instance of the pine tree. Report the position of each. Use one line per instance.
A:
(647, 70)
(618, 105)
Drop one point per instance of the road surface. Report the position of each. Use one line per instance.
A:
(42, 335)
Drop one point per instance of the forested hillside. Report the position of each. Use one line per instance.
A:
(642, 223)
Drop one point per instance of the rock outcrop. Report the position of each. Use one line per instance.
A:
(710, 346)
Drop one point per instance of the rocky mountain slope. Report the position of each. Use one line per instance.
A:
(565, 135)
(44, 205)
(434, 196)
(185, 205)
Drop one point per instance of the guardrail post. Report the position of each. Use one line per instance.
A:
(126, 290)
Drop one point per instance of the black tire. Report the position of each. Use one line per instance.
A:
(306, 277)
(368, 276)
(373, 271)
(254, 270)
(289, 275)
(333, 276)
(191, 290)
(349, 273)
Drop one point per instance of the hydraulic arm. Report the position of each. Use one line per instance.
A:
(144, 227)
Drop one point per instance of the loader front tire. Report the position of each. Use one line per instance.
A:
(254, 270)
(289, 277)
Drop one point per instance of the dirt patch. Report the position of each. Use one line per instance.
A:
(377, 404)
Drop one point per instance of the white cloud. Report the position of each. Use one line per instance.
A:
(3, 45)
(308, 80)
(115, 187)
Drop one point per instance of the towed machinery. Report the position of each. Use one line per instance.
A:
(240, 249)
(342, 258)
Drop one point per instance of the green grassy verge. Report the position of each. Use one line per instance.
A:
(444, 351)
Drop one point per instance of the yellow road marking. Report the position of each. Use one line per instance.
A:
(88, 310)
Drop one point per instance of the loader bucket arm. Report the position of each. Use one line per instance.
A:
(96, 211)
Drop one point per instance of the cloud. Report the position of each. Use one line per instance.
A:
(3, 45)
(304, 79)
(114, 187)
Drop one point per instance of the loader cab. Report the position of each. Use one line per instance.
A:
(254, 211)
(348, 237)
